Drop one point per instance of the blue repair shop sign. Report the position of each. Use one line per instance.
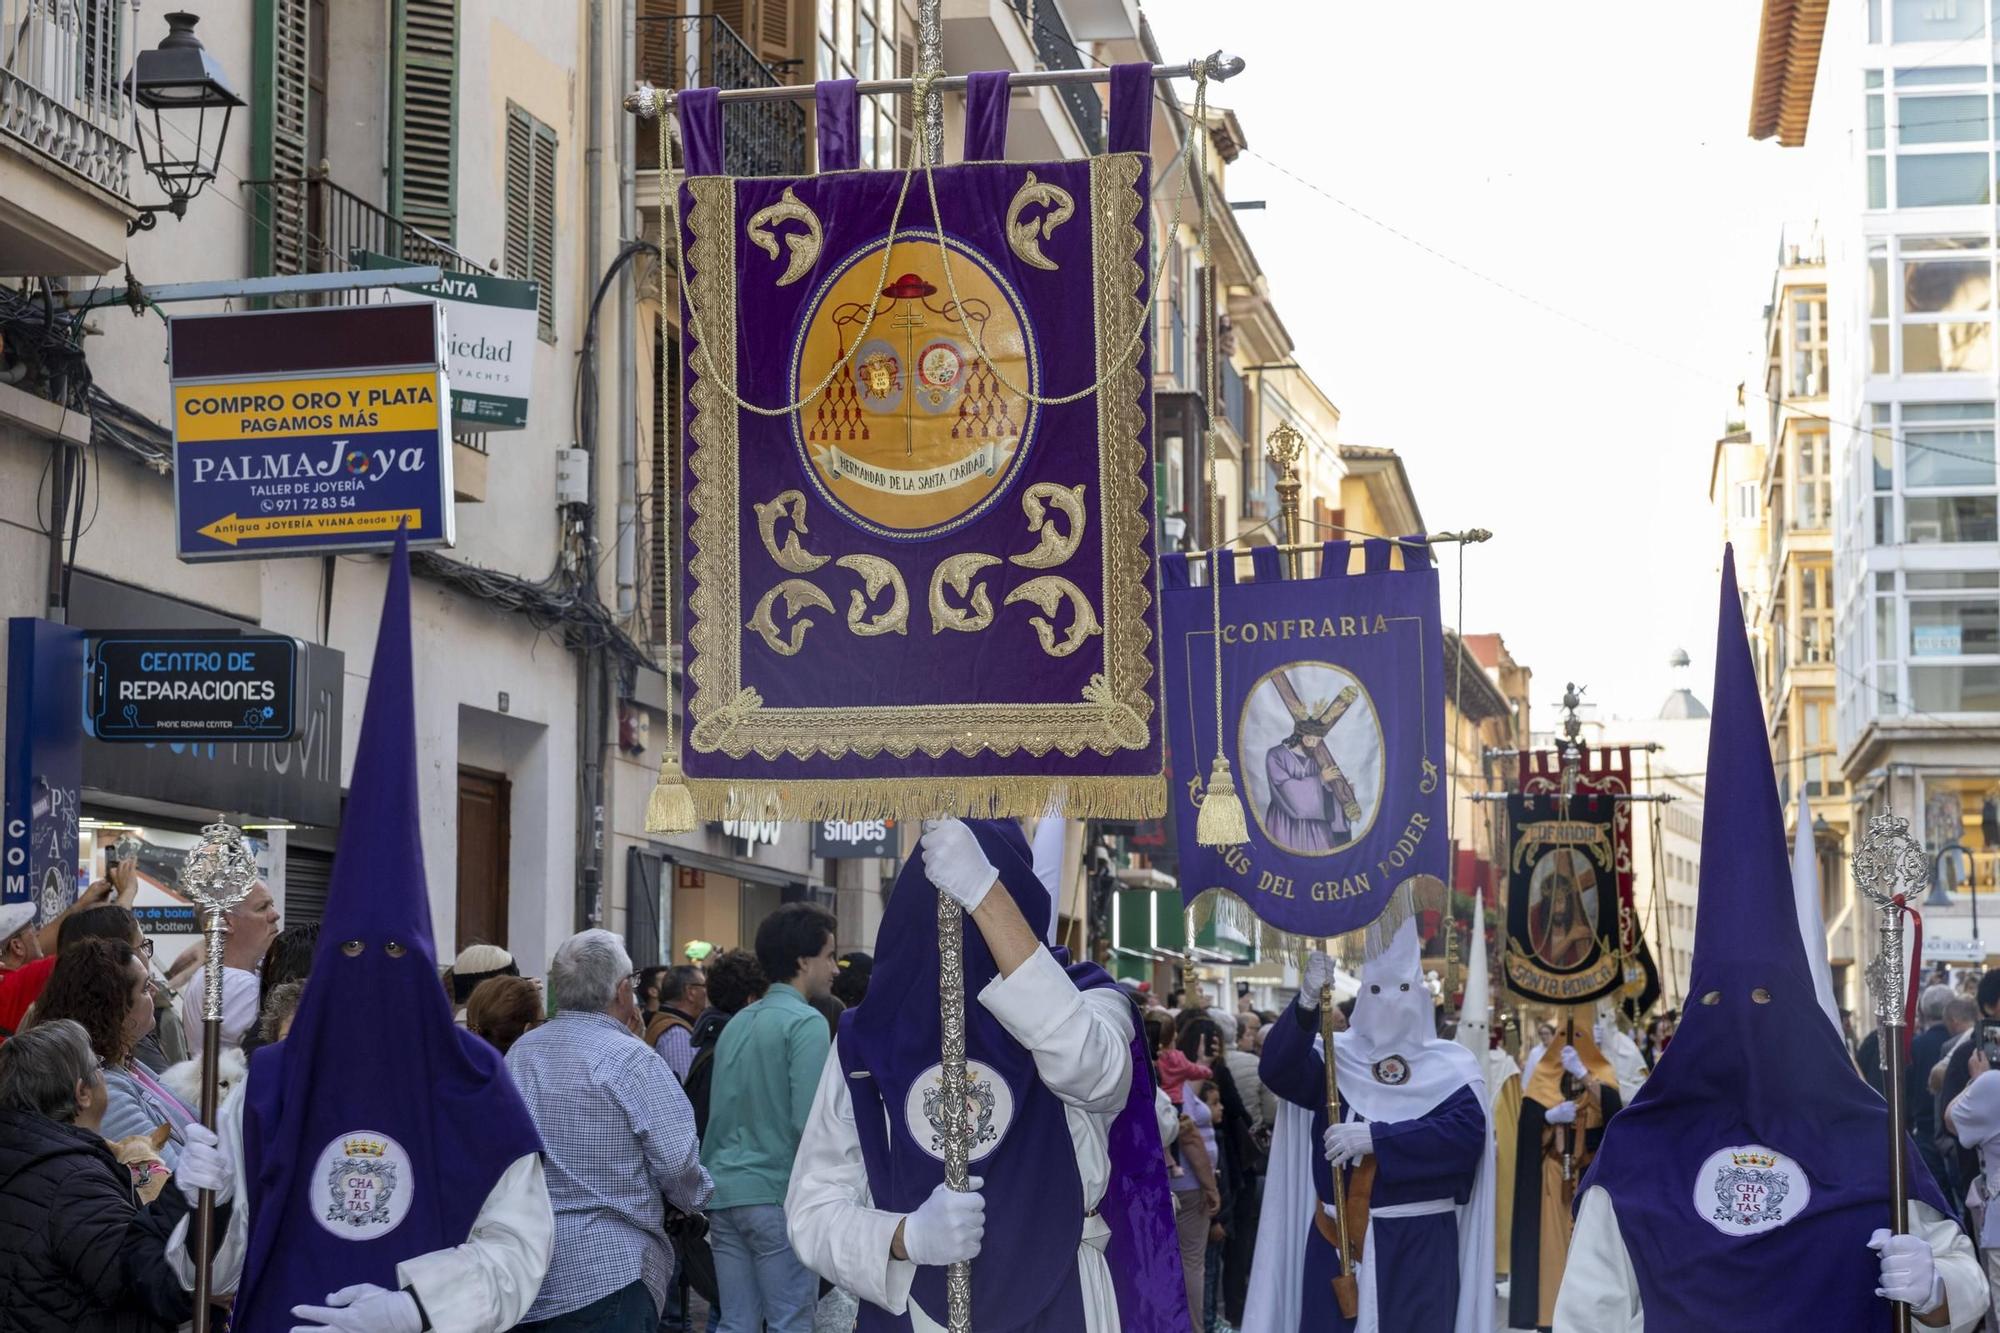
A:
(218, 686)
(305, 432)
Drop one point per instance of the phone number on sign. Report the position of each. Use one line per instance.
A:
(310, 504)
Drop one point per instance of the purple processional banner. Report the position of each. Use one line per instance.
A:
(918, 551)
(1333, 720)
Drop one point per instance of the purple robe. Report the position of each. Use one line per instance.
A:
(1435, 1155)
(1753, 1066)
(1305, 813)
(1025, 1278)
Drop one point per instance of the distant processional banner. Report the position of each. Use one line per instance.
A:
(928, 587)
(1333, 719)
(1563, 916)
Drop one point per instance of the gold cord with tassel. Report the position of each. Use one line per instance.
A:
(670, 809)
(1221, 821)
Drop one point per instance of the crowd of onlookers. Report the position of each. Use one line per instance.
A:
(670, 1103)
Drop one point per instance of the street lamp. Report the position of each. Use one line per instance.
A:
(180, 83)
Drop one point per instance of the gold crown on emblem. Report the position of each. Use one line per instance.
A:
(364, 1148)
(1753, 1159)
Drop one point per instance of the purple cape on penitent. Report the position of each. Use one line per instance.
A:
(1766, 1081)
(374, 1132)
(1025, 1277)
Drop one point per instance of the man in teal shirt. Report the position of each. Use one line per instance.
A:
(767, 1068)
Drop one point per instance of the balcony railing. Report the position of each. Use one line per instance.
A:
(679, 52)
(1054, 49)
(316, 227)
(60, 63)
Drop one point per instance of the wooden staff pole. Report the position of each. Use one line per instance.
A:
(1345, 1287)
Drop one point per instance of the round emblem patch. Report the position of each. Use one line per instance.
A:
(989, 1110)
(1751, 1189)
(1393, 1070)
(362, 1185)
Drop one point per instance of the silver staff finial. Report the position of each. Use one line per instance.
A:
(1890, 868)
(220, 870)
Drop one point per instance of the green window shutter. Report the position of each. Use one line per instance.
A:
(531, 210)
(278, 239)
(544, 257)
(423, 117)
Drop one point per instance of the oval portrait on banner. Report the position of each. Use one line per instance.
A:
(918, 430)
(1562, 907)
(1310, 752)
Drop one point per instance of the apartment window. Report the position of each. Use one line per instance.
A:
(1935, 20)
(1813, 484)
(1746, 501)
(1947, 445)
(1930, 305)
(1815, 614)
(1809, 344)
(856, 39)
(531, 210)
(1878, 310)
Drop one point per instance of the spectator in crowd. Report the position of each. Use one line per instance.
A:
(649, 993)
(1957, 1070)
(474, 964)
(619, 1144)
(502, 1010)
(1259, 1103)
(1926, 1049)
(850, 987)
(289, 959)
(28, 952)
(105, 987)
(1237, 1159)
(1973, 1117)
(165, 1045)
(281, 1006)
(77, 1252)
(253, 926)
(830, 1009)
(767, 1068)
(735, 982)
(683, 997)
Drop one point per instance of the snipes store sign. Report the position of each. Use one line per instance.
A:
(491, 350)
(310, 431)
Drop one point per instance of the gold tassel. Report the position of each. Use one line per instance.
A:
(1222, 822)
(670, 809)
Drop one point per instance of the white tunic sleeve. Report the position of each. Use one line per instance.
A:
(1081, 1040)
(829, 1216)
(226, 1264)
(1600, 1292)
(490, 1281)
(239, 1007)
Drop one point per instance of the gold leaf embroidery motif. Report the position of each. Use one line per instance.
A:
(799, 595)
(957, 573)
(805, 248)
(1025, 238)
(876, 574)
(1048, 592)
(791, 557)
(1054, 548)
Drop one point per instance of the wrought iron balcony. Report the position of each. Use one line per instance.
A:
(1054, 49)
(315, 226)
(59, 70)
(679, 52)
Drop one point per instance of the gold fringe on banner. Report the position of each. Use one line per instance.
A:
(934, 798)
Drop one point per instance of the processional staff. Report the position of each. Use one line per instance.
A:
(218, 873)
(1890, 869)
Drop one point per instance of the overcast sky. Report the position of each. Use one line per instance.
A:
(1591, 156)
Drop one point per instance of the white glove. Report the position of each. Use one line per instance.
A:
(1573, 1063)
(203, 1167)
(1562, 1113)
(1908, 1273)
(1347, 1143)
(1319, 975)
(362, 1309)
(957, 864)
(948, 1226)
